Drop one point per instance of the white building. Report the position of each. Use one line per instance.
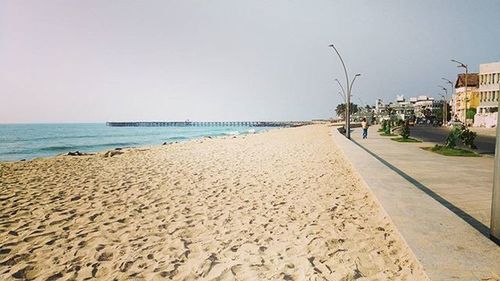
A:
(489, 87)
(402, 108)
(489, 92)
(379, 106)
(421, 104)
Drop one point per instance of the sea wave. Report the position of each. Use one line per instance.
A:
(84, 147)
(177, 138)
(57, 137)
(26, 142)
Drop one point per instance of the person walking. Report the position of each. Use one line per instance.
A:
(364, 125)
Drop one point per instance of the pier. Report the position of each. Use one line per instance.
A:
(210, 124)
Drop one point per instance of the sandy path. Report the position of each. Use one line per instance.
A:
(270, 206)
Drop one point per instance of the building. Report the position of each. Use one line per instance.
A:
(415, 108)
(463, 99)
(489, 87)
(380, 107)
(423, 106)
(402, 108)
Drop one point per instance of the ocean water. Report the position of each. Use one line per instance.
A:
(28, 141)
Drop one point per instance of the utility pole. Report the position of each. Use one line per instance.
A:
(451, 87)
(444, 108)
(465, 99)
(445, 105)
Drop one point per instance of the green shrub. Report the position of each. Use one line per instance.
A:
(443, 150)
(470, 113)
(405, 130)
(453, 137)
(468, 138)
(387, 129)
(463, 134)
(384, 125)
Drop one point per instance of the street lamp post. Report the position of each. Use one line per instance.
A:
(348, 94)
(350, 87)
(465, 99)
(341, 87)
(444, 108)
(445, 113)
(343, 96)
(451, 87)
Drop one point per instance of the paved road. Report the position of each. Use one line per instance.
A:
(485, 144)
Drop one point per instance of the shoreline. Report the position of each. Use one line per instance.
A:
(145, 146)
(282, 204)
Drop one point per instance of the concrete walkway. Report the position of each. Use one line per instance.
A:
(464, 184)
(440, 211)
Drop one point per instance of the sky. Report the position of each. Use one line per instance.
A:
(121, 60)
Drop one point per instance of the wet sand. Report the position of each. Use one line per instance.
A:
(280, 205)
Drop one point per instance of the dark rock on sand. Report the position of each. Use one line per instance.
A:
(76, 153)
(112, 153)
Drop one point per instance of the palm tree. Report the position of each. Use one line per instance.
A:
(340, 110)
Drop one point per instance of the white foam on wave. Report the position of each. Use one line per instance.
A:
(232, 133)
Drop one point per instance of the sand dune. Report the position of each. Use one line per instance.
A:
(281, 205)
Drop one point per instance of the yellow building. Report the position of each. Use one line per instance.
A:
(473, 96)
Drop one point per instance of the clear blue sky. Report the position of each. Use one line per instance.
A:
(95, 61)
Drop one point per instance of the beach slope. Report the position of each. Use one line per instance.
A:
(283, 204)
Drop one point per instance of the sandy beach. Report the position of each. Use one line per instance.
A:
(279, 205)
